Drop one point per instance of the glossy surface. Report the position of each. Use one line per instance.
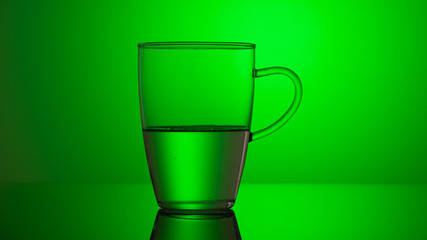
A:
(300, 211)
(195, 225)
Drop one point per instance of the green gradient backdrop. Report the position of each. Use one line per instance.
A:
(69, 101)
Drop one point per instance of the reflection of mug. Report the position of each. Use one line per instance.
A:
(196, 106)
(195, 225)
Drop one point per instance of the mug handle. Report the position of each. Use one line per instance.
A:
(294, 105)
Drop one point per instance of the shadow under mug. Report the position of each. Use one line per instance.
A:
(196, 102)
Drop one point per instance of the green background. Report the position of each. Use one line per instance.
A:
(69, 98)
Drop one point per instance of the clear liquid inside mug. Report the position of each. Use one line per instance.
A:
(196, 105)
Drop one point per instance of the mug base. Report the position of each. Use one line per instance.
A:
(204, 205)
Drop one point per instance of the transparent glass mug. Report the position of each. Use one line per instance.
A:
(196, 104)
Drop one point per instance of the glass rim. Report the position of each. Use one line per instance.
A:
(196, 45)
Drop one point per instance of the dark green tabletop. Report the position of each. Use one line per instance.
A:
(287, 211)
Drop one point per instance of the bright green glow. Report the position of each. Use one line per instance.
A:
(70, 100)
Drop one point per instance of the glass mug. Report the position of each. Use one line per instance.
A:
(196, 105)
